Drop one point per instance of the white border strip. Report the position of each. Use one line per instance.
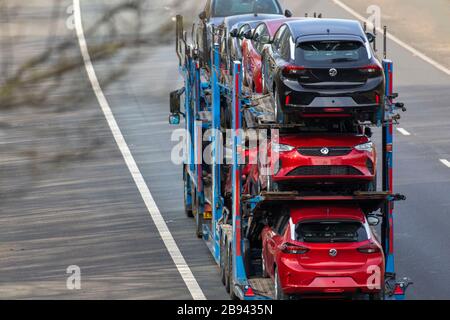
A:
(395, 39)
(152, 208)
(445, 162)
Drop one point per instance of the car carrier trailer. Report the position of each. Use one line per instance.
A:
(224, 221)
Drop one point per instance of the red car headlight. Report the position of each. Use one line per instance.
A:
(365, 147)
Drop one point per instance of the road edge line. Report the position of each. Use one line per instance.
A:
(401, 43)
(164, 232)
(403, 131)
(445, 162)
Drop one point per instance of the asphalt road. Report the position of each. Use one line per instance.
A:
(87, 211)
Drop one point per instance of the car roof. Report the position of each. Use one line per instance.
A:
(243, 18)
(274, 24)
(313, 26)
(252, 24)
(326, 212)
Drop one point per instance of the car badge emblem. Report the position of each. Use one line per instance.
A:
(333, 252)
(333, 72)
(325, 151)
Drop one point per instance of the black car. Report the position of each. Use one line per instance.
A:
(323, 67)
(216, 11)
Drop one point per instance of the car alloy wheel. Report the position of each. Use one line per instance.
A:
(278, 115)
(279, 294)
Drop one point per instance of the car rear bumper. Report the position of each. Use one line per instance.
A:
(328, 285)
(328, 178)
(362, 112)
(297, 280)
(365, 100)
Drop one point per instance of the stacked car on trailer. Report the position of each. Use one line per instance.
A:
(288, 203)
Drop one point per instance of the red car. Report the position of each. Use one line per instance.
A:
(322, 250)
(311, 159)
(252, 49)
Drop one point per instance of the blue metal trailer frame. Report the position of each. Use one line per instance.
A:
(222, 234)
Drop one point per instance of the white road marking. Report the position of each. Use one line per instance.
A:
(403, 132)
(446, 163)
(395, 39)
(158, 220)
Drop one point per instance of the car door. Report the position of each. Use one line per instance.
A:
(272, 58)
(254, 55)
(274, 241)
(283, 55)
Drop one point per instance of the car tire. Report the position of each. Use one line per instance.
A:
(280, 116)
(233, 296)
(198, 217)
(271, 185)
(244, 74)
(372, 185)
(226, 268)
(222, 264)
(187, 209)
(279, 294)
(263, 80)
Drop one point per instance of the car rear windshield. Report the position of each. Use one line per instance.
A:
(331, 232)
(330, 52)
(226, 8)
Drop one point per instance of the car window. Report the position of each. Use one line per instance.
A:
(331, 231)
(263, 39)
(259, 31)
(278, 37)
(281, 224)
(226, 8)
(285, 45)
(327, 52)
(243, 30)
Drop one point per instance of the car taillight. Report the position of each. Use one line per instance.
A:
(291, 71)
(377, 98)
(288, 100)
(369, 248)
(333, 110)
(293, 249)
(371, 70)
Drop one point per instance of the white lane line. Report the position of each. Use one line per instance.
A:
(395, 39)
(446, 163)
(403, 132)
(152, 208)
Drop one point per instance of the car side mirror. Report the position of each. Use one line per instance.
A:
(370, 37)
(288, 13)
(248, 34)
(174, 119)
(234, 33)
(373, 221)
(202, 15)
